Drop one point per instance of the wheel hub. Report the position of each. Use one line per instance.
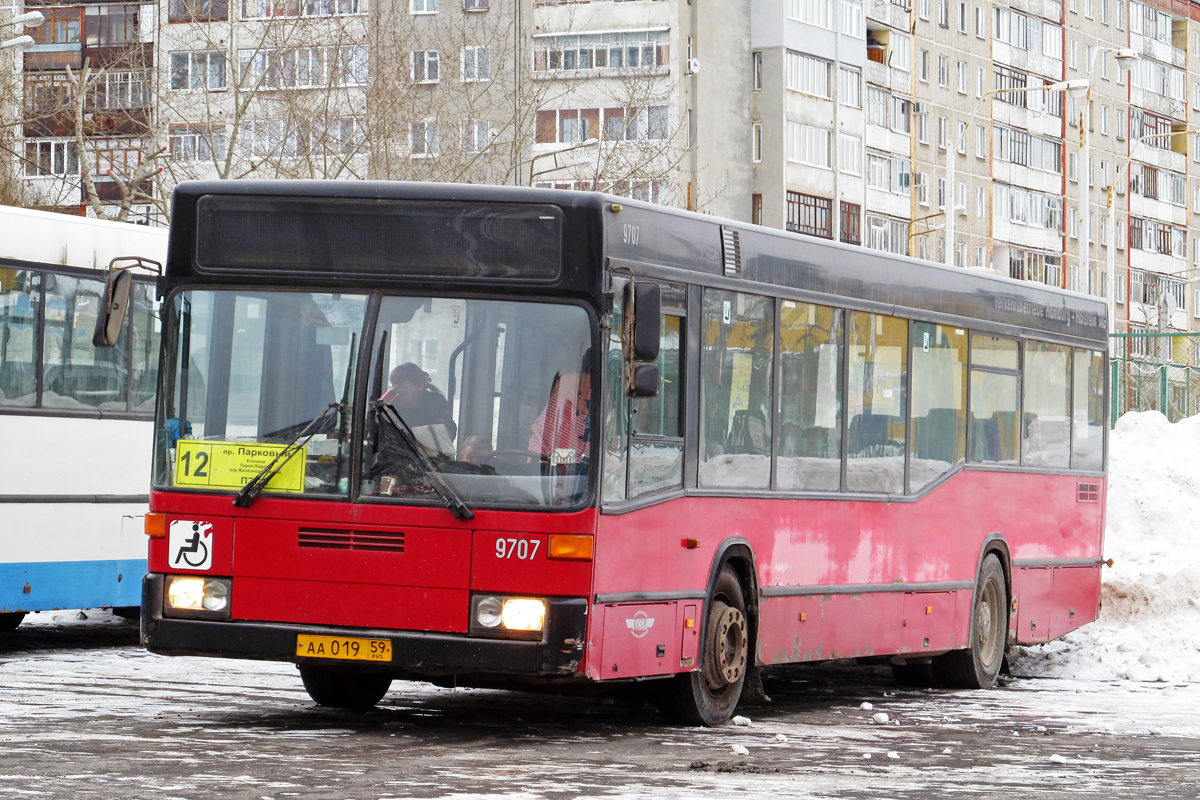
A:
(728, 646)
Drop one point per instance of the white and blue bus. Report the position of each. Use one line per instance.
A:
(75, 421)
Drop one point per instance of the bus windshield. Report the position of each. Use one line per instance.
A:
(496, 394)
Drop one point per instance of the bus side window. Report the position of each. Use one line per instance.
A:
(20, 292)
(616, 406)
(656, 444)
(75, 374)
(995, 399)
(1087, 449)
(1046, 427)
(735, 419)
(939, 402)
(876, 403)
(809, 456)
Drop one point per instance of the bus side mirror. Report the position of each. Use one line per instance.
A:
(118, 285)
(644, 308)
(643, 380)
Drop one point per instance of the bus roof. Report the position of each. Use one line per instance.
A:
(675, 243)
(47, 238)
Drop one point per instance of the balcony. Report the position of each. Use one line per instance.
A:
(894, 80)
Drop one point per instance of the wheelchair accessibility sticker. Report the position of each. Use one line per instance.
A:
(190, 544)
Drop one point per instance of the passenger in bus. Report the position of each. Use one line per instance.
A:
(476, 450)
(562, 430)
(423, 406)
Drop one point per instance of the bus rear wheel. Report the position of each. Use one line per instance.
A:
(353, 691)
(10, 620)
(710, 695)
(978, 666)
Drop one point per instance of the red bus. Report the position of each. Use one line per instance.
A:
(538, 439)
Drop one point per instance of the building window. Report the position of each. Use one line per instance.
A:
(923, 66)
(477, 135)
(808, 144)
(756, 210)
(889, 235)
(809, 214)
(425, 66)
(575, 125)
(198, 70)
(196, 10)
(877, 103)
(879, 171)
(852, 18)
(423, 138)
(630, 50)
(923, 128)
(901, 115)
(51, 159)
(756, 155)
(475, 5)
(267, 9)
(814, 12)
(851, 223)
(120, 89)
(962, 77)
(808, 74)
(980, 24)
(758, 71)
(476, 65)
(849, 154)
(197, 142)
(303, 67)
(424, 6)
(943, 71)
(850, 87)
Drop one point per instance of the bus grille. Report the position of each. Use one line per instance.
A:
(341, 539)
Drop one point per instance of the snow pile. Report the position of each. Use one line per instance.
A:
(1149, 626)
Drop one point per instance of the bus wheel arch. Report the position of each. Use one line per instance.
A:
(979, 664)
(727, 654)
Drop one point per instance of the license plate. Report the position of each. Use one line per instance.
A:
(342, 647)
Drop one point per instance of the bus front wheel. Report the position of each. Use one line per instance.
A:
(354, 691)
(978, 666)
(710, 695)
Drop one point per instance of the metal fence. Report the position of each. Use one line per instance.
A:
(1154, 372)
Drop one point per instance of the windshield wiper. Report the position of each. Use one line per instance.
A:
(453, 502)
(259, 482)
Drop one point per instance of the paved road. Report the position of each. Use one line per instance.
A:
(84, 713)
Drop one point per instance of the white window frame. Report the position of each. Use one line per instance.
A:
(422, 60)
(470, 64)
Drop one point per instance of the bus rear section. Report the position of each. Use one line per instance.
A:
(75, 419)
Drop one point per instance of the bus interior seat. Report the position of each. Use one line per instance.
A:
(749, 433)
(938, 434)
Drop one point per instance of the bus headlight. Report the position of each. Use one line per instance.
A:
(191, 596)
(508, 617)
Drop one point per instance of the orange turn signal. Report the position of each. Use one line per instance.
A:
(570, 546)
(156, 525)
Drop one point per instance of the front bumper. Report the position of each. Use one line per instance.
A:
(415, 652)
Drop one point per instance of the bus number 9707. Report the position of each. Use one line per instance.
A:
(523, 549)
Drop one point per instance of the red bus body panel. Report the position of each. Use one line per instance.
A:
(839, 578)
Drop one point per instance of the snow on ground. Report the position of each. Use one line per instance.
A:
(1149, 626)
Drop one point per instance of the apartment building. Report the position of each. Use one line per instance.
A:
(649, 99)
(105, 51)
(925, 129)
